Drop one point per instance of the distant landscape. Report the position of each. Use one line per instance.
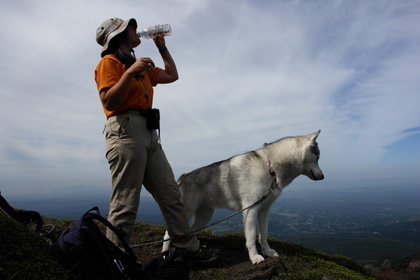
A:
(369, 225)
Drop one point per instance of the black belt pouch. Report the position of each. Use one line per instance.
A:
(153, 118)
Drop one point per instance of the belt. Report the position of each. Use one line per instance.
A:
(139, 112)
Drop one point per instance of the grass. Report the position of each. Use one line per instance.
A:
(24, 256)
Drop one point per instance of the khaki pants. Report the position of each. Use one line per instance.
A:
(136, 157)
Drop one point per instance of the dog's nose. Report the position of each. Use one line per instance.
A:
(317, 176)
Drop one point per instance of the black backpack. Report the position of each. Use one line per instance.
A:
(89, 254)
(24, 217)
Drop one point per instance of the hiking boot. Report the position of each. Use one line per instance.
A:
(203, 255)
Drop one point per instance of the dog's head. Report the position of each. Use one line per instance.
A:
(311, 157)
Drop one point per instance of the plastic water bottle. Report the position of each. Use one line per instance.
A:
(155, 31)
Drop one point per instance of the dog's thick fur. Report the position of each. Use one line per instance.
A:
(240, 181)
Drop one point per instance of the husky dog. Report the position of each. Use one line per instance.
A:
(242, 180)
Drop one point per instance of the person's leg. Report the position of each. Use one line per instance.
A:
(126, 150)
(160, 182)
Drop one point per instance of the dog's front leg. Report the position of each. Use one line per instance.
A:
(250, 225)
(166, 244)
(263, 232)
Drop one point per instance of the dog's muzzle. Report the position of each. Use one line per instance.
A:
(319, 177)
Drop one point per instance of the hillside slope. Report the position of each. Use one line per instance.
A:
(23, 256)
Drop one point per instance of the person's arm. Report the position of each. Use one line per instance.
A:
(170, 73)
(114, 97)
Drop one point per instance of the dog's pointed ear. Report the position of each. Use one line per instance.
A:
(311, 138)
(314, 135)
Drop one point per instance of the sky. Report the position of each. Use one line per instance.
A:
(250, 72)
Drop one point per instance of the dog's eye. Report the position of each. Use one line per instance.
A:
(315, 150)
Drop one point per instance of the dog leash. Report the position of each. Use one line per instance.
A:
(272, 173)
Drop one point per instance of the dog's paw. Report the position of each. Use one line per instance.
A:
(270, 253)
(257, 259)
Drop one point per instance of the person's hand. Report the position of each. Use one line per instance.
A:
(142, 64)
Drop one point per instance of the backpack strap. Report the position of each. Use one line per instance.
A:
(118, 231)
(5, 206)
(23, 217)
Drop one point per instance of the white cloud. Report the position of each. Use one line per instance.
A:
(250, 72)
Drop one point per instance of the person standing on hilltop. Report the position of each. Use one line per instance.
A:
(133, 148)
